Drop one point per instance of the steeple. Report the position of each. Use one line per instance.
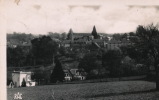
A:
(94, 33)
(70, 31)
(70, 35)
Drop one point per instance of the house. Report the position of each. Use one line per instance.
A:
(18, 76)
(78, 74)
(68, 75)
(74, 74)
(116, 44)
(113, 44)
(66, 43)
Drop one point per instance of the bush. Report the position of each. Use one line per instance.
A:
(23, 83)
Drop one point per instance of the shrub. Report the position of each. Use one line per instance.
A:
(23, 83)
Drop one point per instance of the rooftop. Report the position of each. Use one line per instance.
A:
(21, 72)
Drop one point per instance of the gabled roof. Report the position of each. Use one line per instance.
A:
(73, 71)
(68, 72)
(82, 72)
(21, 72)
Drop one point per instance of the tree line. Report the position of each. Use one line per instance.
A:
(40, 53)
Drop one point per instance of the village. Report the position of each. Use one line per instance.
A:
(74, 42)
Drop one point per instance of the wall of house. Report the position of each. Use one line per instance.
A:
(68, 78)
(15, 78)
(21, 78)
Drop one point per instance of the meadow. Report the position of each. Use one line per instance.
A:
(121, 90)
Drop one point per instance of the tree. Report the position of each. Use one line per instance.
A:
(120, 37)
(89, 62)
(54, 35)
(117, 36)
(147, 44)
(63, 36)
(124, 36)
(38, 75)
(16, 57)
(131, 51)
(43, 50)
(94, 33)
(112, 62)
(70, 35)
(62, 50)
(23, 83)
(58, 73)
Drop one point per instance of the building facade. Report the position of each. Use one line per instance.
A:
(18, 76)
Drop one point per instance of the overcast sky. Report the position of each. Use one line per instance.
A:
(109, 16)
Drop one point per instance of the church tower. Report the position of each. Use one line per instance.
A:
(70, 35)
(94, 33)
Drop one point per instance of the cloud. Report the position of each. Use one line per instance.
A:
(40, 17)
(122, 26)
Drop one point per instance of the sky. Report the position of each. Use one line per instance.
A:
(109, 16)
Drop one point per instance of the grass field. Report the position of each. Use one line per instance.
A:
(123, 90)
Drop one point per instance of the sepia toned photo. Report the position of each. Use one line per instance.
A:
(81, 50)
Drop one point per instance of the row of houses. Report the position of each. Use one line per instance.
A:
(19, 76)
(74, 74)
(85, 39)
(109, 45)
(80, 40)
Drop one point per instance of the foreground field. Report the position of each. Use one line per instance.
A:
(124, 90)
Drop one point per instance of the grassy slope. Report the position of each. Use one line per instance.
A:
(124, 90)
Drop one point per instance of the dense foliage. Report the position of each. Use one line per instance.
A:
(89, 62)
(147, 45)
(40, 52)
(43, 50)
(16, 57)
(112, 62)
